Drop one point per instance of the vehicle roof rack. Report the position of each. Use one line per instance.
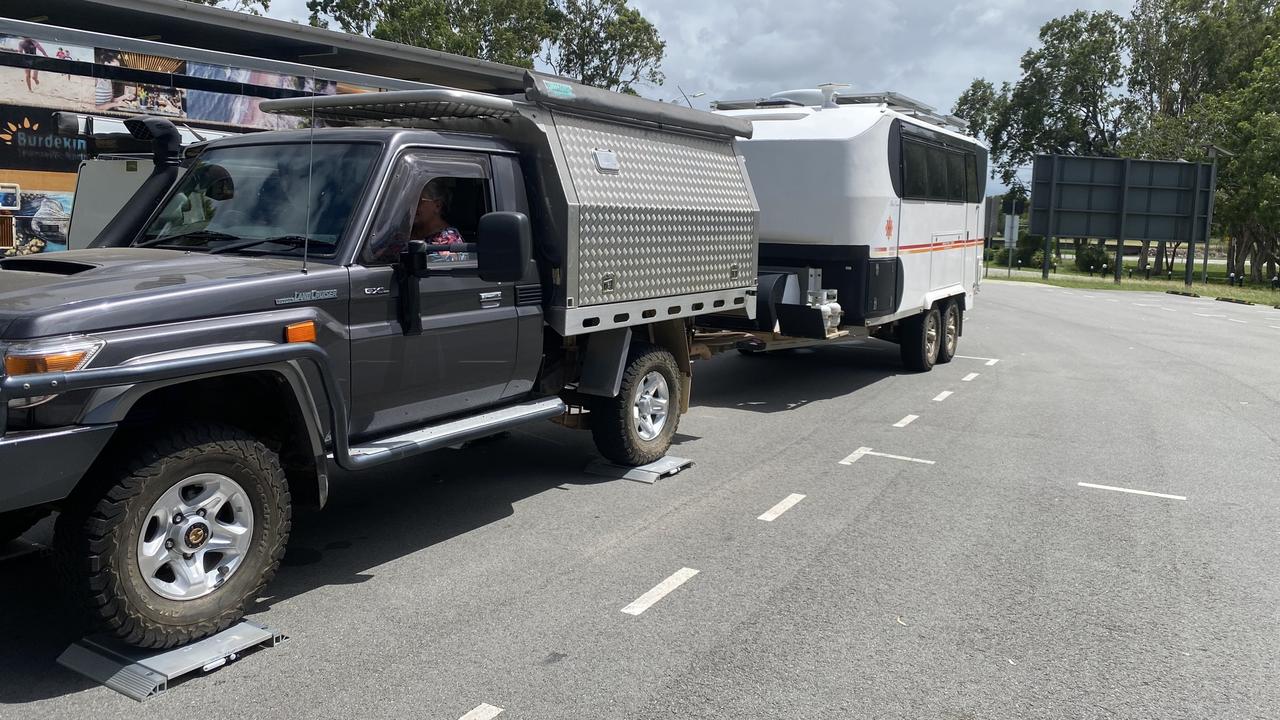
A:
(754, 104)
(406, 107)
(397, 105)
(905, 105)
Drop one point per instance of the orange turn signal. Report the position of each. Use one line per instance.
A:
(300, 332)
(51, 362)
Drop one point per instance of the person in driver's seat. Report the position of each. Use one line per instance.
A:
(429, 223)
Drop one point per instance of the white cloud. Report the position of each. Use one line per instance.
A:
(926, 49)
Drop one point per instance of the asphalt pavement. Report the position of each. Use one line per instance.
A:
(1075, 519)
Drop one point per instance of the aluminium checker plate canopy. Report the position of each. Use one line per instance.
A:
(648, 206)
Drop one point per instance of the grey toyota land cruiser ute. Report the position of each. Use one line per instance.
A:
(263, 311)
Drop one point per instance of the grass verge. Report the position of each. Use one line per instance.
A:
(1081, 282)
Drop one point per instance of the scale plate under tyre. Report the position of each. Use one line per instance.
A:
(648, 474)
(142, 674)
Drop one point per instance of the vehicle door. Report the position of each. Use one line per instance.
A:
(465, 355)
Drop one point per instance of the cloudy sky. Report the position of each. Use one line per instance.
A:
(927, 49)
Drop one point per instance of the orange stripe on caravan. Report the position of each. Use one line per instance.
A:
(939, 248)
(933, 247)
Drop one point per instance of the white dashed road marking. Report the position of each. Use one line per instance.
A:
(1242, 322)
(1208, 315)
(943, 396)
(664, 588)
(860, 452)
(969, 377)
(1133, 492)
(990, 361)
(483, 711)
(906, 421)
(772, 513)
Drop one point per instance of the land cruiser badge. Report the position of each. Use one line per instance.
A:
(307, 296)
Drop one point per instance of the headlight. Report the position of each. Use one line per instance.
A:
(64, 354)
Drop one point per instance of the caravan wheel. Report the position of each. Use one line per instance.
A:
(921, 336)
(950, 332)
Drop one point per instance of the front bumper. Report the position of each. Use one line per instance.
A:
(43, 466)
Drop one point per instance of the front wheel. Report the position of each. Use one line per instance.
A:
(174, 544)
(950, 332)
(920, 340)
(637, 426)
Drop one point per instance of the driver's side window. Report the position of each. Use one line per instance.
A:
(435, 198)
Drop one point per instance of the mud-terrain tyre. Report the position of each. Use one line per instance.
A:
(14, 523)
(949, 339)
(205, 507)
(919, 340)
(637, 427)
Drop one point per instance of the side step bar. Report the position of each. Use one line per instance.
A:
(434, 437)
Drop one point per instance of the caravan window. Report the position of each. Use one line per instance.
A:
(937, 173)
(915, 175)
(955, 177)
(971, 177)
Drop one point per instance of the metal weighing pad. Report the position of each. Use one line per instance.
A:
(142, 674)
(648, 474)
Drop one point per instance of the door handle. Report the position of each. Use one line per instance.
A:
(490, 299)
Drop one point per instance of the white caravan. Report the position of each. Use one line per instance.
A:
(870, 220)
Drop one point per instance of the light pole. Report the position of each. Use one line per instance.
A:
(687, 96)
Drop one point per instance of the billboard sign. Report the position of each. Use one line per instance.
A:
(1120, 198)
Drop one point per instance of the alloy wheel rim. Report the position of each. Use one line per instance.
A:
(649, 411)
(953, 332)
(931, 335)
(195, 537)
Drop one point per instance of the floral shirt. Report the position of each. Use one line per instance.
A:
(447, 236)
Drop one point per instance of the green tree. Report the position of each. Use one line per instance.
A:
(1181, 52)
(358, 17)
(605, 43)
(1068, 101)
(1247, 121)
(504, 31)
(253, 7)
(979, 105)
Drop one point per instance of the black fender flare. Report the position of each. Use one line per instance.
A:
(116, 390)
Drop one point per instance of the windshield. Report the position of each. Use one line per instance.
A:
(255, 198)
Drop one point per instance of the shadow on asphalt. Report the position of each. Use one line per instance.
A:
(785, 380)
(377, 518)
(370, 520)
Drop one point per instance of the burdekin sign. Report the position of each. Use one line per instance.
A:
(29, 141)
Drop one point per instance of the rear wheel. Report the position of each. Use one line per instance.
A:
(14, 524)
(950, 332)
(174, 544)
(636, 427)
(921, 336)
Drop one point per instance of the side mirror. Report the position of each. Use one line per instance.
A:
(505, 241)
(413, 259)
(412, 266)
